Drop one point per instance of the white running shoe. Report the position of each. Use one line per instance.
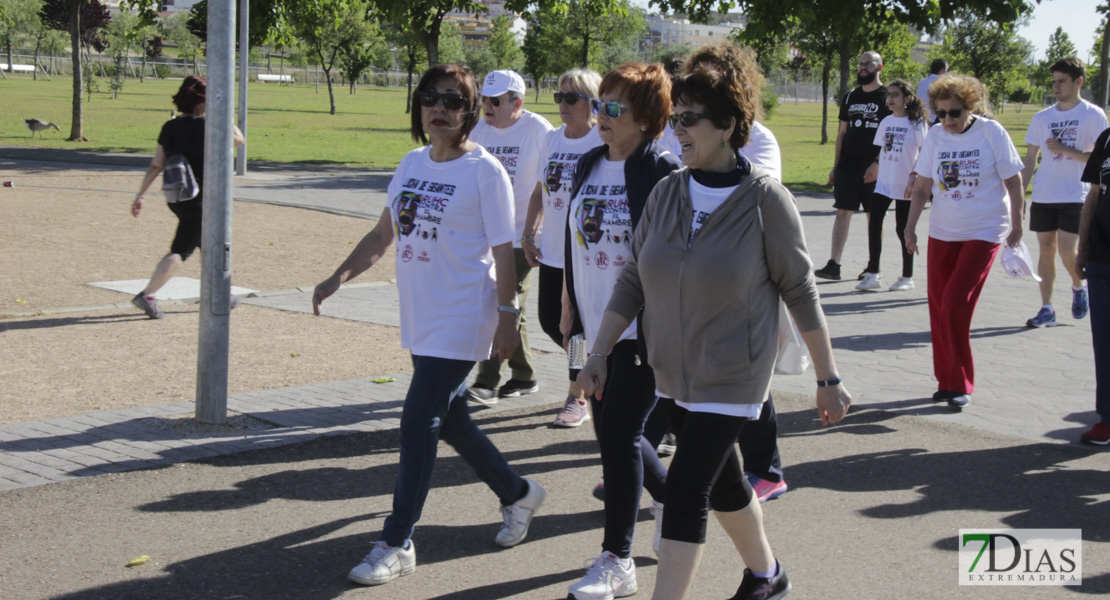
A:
(870, 282)
(657, 514)
(606, 579)
(384, 564)
(903, 284)
(518, 515)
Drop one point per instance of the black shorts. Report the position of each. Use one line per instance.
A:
(850, 192)
(1064, 216)
(187, 238)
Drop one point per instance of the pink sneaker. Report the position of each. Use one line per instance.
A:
(766, 490)
(574, 413)
(1099, 434)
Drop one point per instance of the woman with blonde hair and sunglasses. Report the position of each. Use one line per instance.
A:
(608, 195)
(547, 213)
(970, 165)
(451, 216)
(719, 246)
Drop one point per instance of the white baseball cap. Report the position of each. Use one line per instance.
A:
(1017, 262)
(499, 82)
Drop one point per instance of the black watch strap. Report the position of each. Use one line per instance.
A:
(829, 382)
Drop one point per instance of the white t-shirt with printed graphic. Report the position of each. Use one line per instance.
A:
(970, 201)
(446, 217)
(1057, 179)
(704, 200)
(900, 141)
(556, 177)
(519, 148)
(601, 242)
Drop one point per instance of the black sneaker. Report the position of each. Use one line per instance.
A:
(482, 394)
(148, 305)
(830, 271)
(516, 387)
(760, 588)
(944, 396)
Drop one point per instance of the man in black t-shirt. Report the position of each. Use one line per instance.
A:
(1093, 263)
(857, 158)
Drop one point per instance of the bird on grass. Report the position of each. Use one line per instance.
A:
(38, 125)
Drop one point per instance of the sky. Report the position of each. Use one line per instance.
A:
(1078, 18)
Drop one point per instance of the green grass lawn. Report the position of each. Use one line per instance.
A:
(292, 124)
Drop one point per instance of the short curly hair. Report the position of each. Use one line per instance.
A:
(727, 81)
(968, 90)
(648, 88)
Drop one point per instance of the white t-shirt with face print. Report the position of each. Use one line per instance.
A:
(519, 148)
(900, 141)
(556, 176)
(1057, 179)
(970, 201)
(446, 217)
(601, 242)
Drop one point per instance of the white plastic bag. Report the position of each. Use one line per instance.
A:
(793, 358)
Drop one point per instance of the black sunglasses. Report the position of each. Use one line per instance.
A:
(429, 99)
(688, 118)
(954, 113)
(570, 98)
(494, 100)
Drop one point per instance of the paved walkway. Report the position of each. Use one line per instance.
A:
(1034, 384)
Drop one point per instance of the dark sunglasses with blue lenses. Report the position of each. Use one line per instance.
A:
(570, 98)
(688, 118)
(612, 109)
(451, 101)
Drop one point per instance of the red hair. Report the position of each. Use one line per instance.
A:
(648, 88)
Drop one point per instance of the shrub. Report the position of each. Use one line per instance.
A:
(161, 71)
(769, 99)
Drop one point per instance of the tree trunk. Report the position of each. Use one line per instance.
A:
(38, 43)
(825, 103)
(412, 67)
(430, 37)
(1102, 96)
(845, 67)
(76, 129)
(142, 69)
(8, 44)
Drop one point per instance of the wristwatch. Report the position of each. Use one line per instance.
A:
(829, 382)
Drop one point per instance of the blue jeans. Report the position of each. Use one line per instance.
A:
(436, 407)
(1098, 289)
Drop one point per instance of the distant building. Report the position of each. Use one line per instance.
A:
(674, 31)
(176, 5)
(476, 28)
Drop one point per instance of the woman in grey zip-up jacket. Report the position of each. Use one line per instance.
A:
(719, 244)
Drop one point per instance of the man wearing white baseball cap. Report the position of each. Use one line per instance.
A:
(516, 137)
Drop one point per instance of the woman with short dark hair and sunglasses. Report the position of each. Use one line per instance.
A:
(547, 213)
(451, 215)
(611, 185)
(970, 165)
(719, 244)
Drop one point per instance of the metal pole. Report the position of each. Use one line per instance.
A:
(215, 286)
(244, 75)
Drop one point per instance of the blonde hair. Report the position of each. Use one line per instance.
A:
(968, 90)
(584, 80)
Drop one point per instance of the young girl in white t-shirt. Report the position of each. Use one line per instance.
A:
(900, 136)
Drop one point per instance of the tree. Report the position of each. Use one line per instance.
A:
(356, 59)
(989, 51)
(410, 52)
(537, 54)
(504, 46)
(83, 19)
(329, 26)
(1059, 46)
(1102, 92)
(578, 36)
(20, 17)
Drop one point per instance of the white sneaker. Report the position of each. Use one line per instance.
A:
(903, 283)
(606, 579)
(518, 515)
(657, 514)
(870, 282)
(384, 564)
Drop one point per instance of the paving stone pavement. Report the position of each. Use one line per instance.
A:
(1032, 383)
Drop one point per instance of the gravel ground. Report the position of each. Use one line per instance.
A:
(64, 229)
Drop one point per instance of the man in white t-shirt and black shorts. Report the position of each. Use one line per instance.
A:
(516, 138)
(857, 157)
(1067, 131)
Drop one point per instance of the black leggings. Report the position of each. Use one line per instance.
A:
(879, 205)
(189, 217)
(550, 302)
(705, 473)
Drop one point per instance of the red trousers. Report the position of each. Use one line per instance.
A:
(957, 272)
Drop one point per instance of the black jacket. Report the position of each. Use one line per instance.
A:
(647, 165)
